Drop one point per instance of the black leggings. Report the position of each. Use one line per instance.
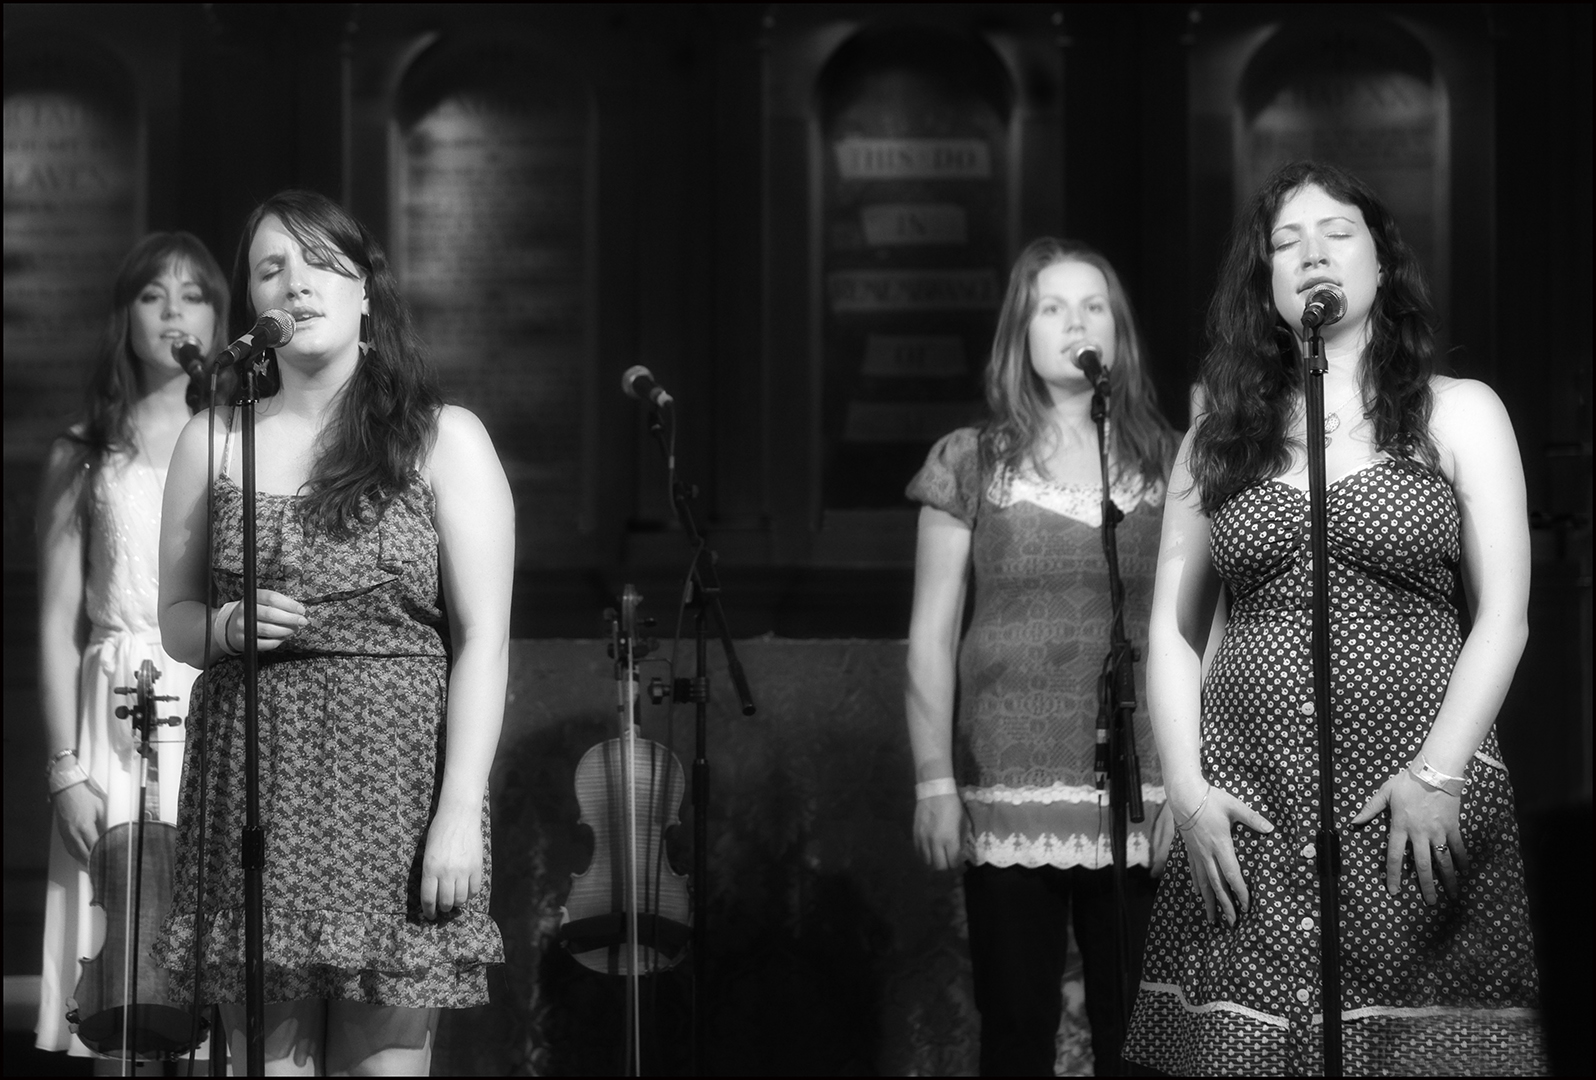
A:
(1017, 947)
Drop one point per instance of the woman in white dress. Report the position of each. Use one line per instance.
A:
(99, 523)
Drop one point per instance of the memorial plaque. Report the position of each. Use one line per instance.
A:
(914, 356)
(1363, 97)
(493, 249)
(886, 224)
(72, 211)
(915, 222)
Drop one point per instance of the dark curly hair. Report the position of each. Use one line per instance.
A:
(386, 417)
(1251, 374)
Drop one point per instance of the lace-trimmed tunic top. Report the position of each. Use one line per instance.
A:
(1025, 731)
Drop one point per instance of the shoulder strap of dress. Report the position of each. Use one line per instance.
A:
(227, 441)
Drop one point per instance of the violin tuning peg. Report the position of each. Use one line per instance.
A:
(123, 712)
(172, 721)
(124, 690)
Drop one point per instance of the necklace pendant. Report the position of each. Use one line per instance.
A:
(1332, 422)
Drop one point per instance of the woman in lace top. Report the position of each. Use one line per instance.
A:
(99, 534)
(386, 548)
(1002, 718)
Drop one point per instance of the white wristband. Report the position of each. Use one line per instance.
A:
(928, 789)
(61, 779)
(219, 621)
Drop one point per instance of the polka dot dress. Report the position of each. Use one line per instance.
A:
(1443, 990)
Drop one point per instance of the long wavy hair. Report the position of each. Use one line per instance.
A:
(116, 382)
(1017, 429)
(385, 418)
(1251, 374)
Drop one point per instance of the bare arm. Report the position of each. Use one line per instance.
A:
(1477, 442)
(1186, 601)
(1488, 478)
(475, 519)
(184, 571)
(941, 569)
(63, 627)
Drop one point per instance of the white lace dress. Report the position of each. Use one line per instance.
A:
(120, 600)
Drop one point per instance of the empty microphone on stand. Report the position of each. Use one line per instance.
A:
(638, 382)
(1326, 305)
(272, 330)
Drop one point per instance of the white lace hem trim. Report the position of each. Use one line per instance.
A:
(1092, 852)
(1060, 792)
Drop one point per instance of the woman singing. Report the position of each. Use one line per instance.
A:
(1012, 510)
(386, 543)
(99, 538)
(1424, 486)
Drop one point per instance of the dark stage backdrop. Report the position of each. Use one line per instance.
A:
(833, 950)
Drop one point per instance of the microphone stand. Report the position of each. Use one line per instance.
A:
(1328, 840)
(703, 596)
(254, 838)
(1117, 761)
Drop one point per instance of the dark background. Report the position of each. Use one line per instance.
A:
(704, 197)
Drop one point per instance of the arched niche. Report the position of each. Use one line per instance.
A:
(492, 228)
(74, 204)
(915, 230)
(1362, 93)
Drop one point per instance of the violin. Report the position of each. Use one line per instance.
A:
(629, 912)
(122, 1005)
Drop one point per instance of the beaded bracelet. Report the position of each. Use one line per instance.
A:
(1192, 820)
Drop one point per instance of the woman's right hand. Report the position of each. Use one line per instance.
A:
(939, 831)
(1215, 870)
(277, 618)
(80, 818)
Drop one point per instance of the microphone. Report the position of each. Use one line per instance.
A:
(1089, 358)
(638, 382)
(1326, 305)
(271, 330)
(189, 358)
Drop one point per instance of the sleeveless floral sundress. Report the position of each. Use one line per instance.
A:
(352, 742)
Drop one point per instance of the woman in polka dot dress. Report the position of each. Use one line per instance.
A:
(1425, 492)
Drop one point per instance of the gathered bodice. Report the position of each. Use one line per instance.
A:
(121, 592)
(374, 593)
(1392, 525)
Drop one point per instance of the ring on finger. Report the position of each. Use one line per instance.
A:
(1441, 849)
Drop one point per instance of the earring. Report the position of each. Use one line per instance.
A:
(365, 334)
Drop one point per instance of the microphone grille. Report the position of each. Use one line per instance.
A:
(631, 375)
(279, 329)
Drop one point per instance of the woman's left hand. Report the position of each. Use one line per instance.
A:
(1163, 835)
(451, 867)
(1425, 819)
